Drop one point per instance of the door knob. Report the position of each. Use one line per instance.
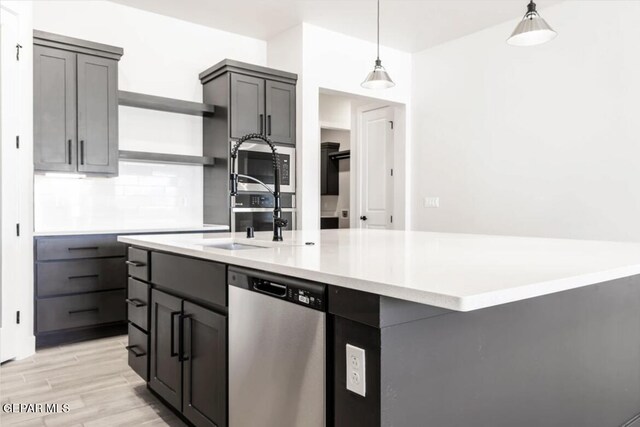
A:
(363, 217)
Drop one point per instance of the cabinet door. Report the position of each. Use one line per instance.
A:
(281, 112)
(165, 376)
(97, 115)
(54, 109)
(247, 105)
(205, 380)
(329, 173)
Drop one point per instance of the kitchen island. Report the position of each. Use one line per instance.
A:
(457, 329)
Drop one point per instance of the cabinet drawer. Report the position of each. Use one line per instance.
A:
(137, 348)
(192, 278)
(87, 275)
(80, 310)
(138, 263)
(138, 303)
(96, 246)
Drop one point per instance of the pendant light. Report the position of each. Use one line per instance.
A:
(532, 30)
(378, 78)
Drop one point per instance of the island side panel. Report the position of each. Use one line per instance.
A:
(566, 359)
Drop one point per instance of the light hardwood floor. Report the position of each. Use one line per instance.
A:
(93, 377)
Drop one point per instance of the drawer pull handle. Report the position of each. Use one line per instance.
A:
(85, 248)
(132, 349)
(85, 310)
(135, 302)
(86, 276)
(135, 263)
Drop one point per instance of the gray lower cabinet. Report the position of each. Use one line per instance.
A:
(187, 341)
(165, 366)
(80, 288)
(188, 358)
(75, 105)
(204, 380)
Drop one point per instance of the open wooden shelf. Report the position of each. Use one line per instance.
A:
(159, 103)
(178, 159)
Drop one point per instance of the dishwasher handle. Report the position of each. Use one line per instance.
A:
(269, 288)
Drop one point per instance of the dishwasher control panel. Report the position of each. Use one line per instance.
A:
(296, 291)
(306, 297)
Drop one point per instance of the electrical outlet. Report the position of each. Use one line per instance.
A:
(356, 370)
(344, 213)
(432, 202)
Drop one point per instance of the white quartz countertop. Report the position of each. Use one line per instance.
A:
(194, 229)
(460, 272)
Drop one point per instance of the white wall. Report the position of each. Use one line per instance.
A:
(333, 61)
(162, 56)
(539, 141)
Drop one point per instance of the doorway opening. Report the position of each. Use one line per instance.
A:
(361, 162)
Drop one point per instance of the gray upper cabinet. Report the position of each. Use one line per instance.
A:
(247, 105)
(97, 114)
(54, 92)
(75, 105)
(281, 112)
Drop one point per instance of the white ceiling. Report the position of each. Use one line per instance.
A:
(409, 25)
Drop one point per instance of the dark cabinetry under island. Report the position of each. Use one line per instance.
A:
(519, 356)
(177, 332)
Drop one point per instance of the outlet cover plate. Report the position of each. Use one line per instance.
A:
(356, 370)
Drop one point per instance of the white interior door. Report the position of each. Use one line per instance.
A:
(375, 154)
(9, 190)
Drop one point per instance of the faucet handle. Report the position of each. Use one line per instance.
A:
(281, 222)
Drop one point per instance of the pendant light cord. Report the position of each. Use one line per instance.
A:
(378, 45)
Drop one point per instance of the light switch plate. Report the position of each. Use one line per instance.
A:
(356, 370)
(432, 202)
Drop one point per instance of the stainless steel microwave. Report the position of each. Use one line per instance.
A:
(254, 159)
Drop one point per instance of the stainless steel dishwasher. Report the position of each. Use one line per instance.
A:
(277, 344)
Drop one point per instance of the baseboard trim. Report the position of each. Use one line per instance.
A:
(68, 336)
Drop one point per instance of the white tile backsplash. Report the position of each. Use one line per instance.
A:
(143, 196)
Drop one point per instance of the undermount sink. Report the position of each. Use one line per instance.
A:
(233, 246)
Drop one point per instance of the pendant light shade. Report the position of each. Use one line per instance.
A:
(378, 78)
(532, 30)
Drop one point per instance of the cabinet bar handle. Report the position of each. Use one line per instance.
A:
(261, 124)
(173, 334)
(86, 276)
(82, 151)
(135, 263)
(269, 125)
(132, 349)
(84, 248)
(85, 310)
(135, 302)
(70, 154)
(181, 356)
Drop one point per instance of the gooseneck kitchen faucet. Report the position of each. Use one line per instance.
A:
(278, 221)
